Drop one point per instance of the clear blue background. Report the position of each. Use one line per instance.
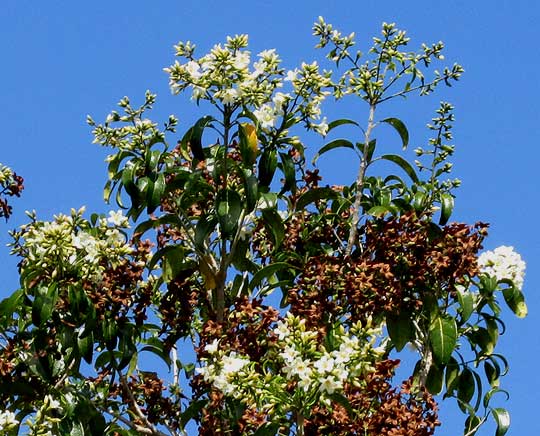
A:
(62, 60)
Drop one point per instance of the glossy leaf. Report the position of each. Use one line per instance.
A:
(435, 379)
(332, 125)
(443, 338)
(266, 272)
(228, 210)
(400, 128)
(403, 164)
(274, 225)
(289, 172)
(466, 303)
(447, 206)
(466, 386)
(400, 329)
(193, 137)
(314, 195)
(516, 301)
(157, 192)
(251, 188)
(267, 167)
(336, 143)
(502, 418)
(367, 152)
(249, 143)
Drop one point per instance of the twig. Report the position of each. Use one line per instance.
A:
(151, 429)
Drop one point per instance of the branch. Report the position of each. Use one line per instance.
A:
(360, 183)
(149, 429)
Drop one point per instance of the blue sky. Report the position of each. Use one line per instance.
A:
(63, 60)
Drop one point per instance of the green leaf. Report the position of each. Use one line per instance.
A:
(274, 224)
(287, 166)
(466, 303)
(193, 137)
(228, 210)
(471, 423)
(502, 418)
(86, 347)
(248, 146)
(342, 400)
(128, 175)
(435, 378)
(443, 338)
(516, 301)
(155, 198)
(400, 329)
(466, 386)
(251, 187)
(155, 346)
(266, 272)
(419, 201)
(191, 411)
(451, 376)
(491, 374)
(336, 143)
(267, 429)
(403, 164)
(205, 226)
(368, 153)
(380, 211)
(447, 206)
(267, 167)
(314, 195)
(341, 122)
(400, 128)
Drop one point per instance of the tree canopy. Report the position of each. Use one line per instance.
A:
(277, 303)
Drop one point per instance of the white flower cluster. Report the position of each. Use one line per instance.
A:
(503, 263)
(6, 175)
(296, 357)
(71, 243)
(319, 369)
(224, 373)
(7, 420)
(136, 132)
(227, 76)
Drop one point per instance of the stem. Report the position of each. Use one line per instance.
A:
(299, 424)
(223, 264)
(360, 182)
(427, 355)
(149, 428)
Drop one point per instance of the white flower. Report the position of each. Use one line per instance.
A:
(503, 263)
(322, 127)
(212, 347)
(233, 364)
(198, 92)
(325, 364)
(241, 60)
(282, 330)
(117, 218)
(7, 420)
(193, 69)
(279, 100)
(291, 75)
(265, 115)
(329, 384)
(229, 96)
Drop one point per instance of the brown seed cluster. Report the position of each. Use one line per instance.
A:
(12, 190)
(377, 409)
(246, 330)
(403, 259)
